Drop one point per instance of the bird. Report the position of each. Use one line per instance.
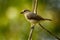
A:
(32, 17)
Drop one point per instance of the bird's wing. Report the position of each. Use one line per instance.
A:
(33, 16)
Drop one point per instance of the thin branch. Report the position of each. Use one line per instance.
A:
(49, 32)
(35, 6)
(31, 32)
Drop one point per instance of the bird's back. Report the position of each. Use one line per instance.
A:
(32, 16)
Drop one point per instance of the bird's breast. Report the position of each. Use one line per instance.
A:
(31, 21)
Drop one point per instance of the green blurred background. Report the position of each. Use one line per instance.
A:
(13, 25)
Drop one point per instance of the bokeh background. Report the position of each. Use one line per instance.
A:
(13, 25)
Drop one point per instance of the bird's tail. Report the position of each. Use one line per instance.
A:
(48, 19)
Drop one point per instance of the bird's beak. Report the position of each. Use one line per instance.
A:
(21, 12)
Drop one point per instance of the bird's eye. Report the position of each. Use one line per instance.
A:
(24, 11)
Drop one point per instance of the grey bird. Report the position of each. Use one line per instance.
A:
(32, 17)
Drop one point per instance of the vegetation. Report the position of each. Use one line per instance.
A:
(13, 25)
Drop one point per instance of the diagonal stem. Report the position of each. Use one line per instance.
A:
(49, 32)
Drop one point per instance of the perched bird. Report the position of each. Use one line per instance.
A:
(32, 17)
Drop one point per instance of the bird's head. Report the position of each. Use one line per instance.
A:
(25, 11)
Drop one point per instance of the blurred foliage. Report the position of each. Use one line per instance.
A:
(13, 25)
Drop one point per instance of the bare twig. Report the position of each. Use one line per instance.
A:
(31, 32)
(49, 32)
(34, 8)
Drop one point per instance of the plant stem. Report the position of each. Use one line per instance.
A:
(31, 32)
(35, 6)
(49, 32)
